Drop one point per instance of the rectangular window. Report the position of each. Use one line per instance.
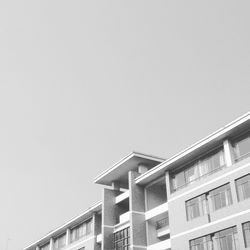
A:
(202, 243)
(242, 147)
(122, 239)
(45, 246)
(246, 232)
(243, 187)
(200, 168)
(224, 240)
(221, 197)
(60, 241)
(80, 231)
(196, 207)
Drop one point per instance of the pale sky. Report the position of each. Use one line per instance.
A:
(83, 83)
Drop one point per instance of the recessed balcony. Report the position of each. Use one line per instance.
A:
(162, 245)
(156, 211)
(162, 227)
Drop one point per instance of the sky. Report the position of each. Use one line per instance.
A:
(84, 83)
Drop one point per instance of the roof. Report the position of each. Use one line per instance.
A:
(85, 215)
(118, 171)
(233, 128)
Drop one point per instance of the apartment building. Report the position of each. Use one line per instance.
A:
(80, 233)
(198, 199)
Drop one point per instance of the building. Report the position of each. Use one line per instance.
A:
(198, 199)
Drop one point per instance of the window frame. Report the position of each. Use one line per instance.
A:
(196, 164)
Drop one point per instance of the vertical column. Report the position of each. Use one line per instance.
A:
(240, 236)
(96, 229)
(138, 240)
(37, 248)
(67, 236)
(233, 192)
(108, 217)
(228, 151)
(168, 185)
(51, 244)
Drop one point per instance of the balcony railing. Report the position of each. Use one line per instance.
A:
(162, 223)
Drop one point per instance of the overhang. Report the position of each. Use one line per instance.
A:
(119, 171)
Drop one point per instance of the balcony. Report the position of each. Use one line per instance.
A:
(162, 227)
(162, 245)
(156, 211)
(124, 218)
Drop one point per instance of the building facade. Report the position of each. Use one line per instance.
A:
(198, 199)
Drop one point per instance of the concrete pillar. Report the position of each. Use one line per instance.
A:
(37, 248)
(240, 236)
(233, 192)
(138, 238)
(168, 185)
(142, 169)
(96, 229)
(115, 185)
(109, 217)
(67, 236)
(228, 151)
(51, 243)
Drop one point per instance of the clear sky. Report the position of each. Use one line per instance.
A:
(83, 83)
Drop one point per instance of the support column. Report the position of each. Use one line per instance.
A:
(67, 236)
(115, 185)
(96, 229)
(228, 151)
(168, 185)
(109, 217)
(51, 243)
(233, 192)
(138, 240)
(240, 236)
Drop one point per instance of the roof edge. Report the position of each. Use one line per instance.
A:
(124, 159)
(48, 235)
(245, 117)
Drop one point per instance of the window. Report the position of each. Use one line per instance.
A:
(82, 248)
(242, 147)
(243, 187)
(81, 230)
(202, 167)
(45, 246)
(221, 197)
(60, 241)
(202, 243)
(224, 240)
(196, 207)
(246, 233)
(122, 239)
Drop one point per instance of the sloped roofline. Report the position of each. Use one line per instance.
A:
(95, 207)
